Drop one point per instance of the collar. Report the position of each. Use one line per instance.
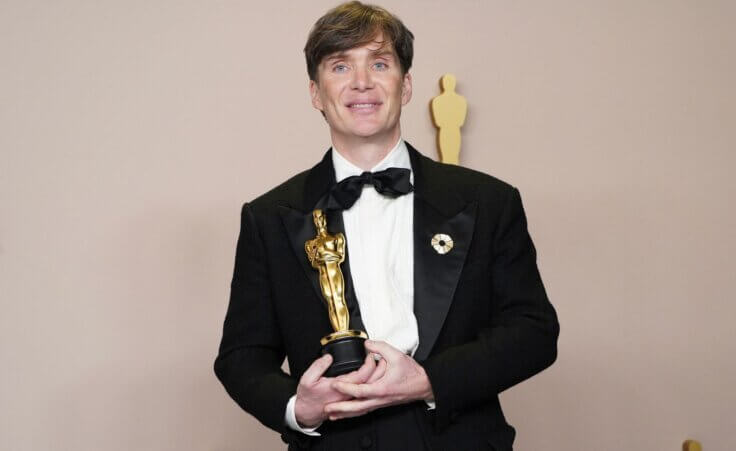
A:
(398, 157)
(431, 183)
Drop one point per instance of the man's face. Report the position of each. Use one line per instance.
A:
(361, 92)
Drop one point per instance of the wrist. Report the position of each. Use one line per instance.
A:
(427, 394)
(303, 418)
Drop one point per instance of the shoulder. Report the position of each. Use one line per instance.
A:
(467, 183)
(288, 193)
(264, 209)
(299, 192)
(470, 178)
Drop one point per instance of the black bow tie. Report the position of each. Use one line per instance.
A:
(392, 182)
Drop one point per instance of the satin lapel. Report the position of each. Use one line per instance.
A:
(436, 210)
(300, 227)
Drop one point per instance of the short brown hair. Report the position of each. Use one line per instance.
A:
(353, 24)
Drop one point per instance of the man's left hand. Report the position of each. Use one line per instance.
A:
(397, 379)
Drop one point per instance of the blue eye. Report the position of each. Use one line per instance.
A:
(340, 68)
(381, 66)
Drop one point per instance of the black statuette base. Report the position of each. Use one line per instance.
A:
(348, 354)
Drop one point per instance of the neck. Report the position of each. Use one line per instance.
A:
(365, 153)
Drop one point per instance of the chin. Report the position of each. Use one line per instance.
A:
(367, 130)
(366, 133)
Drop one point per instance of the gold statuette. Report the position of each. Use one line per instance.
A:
(325, 253)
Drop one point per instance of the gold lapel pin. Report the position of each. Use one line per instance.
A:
(442, 243)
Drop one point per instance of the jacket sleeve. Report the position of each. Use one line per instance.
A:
(251, 351)
(519, 341)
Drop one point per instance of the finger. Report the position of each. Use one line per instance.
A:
(358, 390)
(353, 407)
(365, 371)
(361, 374)
(337, 417)
(316, 369)
(378, 372)
(341, 416)
(386, 350)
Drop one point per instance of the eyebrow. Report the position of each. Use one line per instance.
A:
(335, 56)
(380, 52)
(383, 53)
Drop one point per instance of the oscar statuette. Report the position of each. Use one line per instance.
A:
(325, 253)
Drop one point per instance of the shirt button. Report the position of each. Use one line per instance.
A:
(366, 442)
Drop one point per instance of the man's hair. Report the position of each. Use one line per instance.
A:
(354, 24)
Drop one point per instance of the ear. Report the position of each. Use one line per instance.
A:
(406, 89)
(314, 94)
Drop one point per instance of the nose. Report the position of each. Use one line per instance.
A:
(362, 79)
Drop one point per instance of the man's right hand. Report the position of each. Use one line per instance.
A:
(315, 391)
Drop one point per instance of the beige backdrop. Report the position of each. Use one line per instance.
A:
(132, 131)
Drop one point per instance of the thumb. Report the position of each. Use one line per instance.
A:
(361, 374)
(317, 369)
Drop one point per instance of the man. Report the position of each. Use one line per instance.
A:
(442, 276)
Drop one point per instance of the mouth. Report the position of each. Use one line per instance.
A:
(363, 106)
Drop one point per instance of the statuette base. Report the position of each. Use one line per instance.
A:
(347, 349)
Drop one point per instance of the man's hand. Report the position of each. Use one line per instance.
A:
(315, 391)
(397, 379)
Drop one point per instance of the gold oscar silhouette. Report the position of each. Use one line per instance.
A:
(448, 114)
(692, 445)
(325, 253)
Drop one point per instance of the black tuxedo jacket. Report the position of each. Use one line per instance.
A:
(485, 322)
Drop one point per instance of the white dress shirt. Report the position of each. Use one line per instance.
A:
(380, 242)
